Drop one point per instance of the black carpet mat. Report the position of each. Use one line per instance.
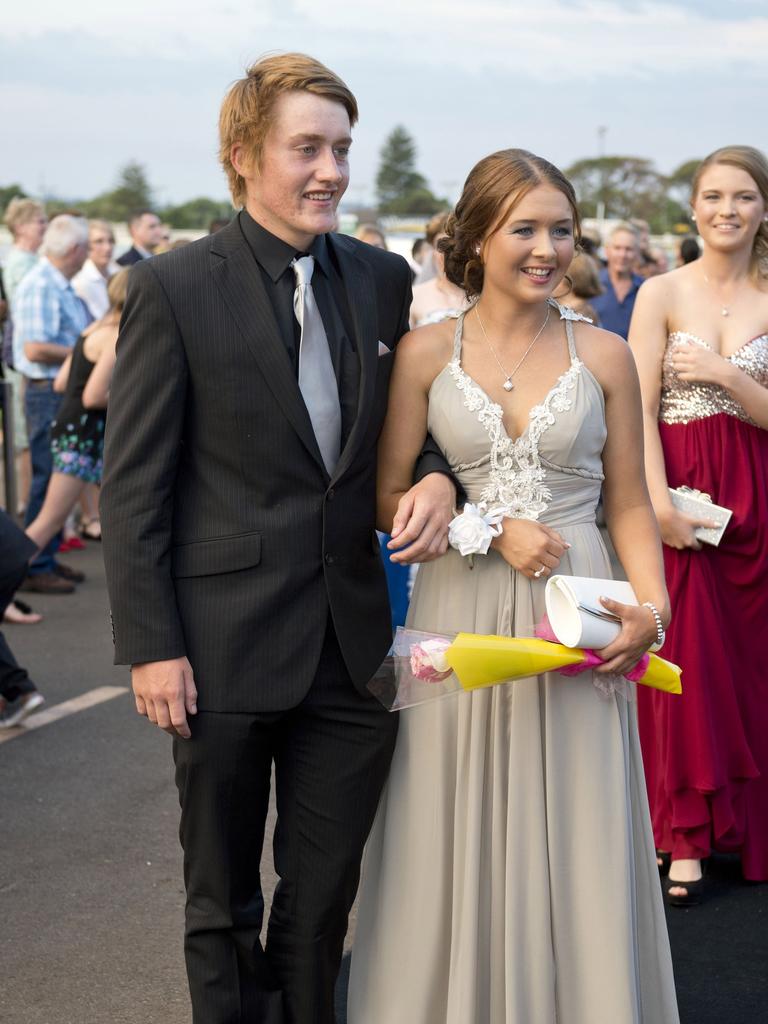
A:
(720, 950)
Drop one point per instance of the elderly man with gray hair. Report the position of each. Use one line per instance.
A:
(48, 318)
(619, 281)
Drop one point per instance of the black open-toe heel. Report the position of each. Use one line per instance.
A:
(693, 895)
(663, 860)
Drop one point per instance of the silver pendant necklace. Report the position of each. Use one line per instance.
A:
(724, 310)
(508, 385)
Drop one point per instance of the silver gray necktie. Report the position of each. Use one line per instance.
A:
(317, 380)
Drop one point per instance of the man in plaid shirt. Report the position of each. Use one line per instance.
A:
(48, 318)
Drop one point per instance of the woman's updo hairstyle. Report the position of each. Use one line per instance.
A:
(494, 187)
(754, 163)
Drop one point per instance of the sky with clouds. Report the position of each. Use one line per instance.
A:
(86, 86)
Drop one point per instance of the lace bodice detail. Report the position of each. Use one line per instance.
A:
(517, 477)
(683, 402)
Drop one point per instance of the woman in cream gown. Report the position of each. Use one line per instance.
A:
(510, 877)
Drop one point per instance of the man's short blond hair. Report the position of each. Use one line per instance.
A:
(246, 113)
(20, 211)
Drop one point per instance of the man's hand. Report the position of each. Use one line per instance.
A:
(165, 692)
(420, 527)
(530, 547)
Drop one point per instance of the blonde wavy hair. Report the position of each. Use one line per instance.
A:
(19, 211)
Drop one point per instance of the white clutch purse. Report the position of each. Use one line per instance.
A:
(575, 614)
(696, 503)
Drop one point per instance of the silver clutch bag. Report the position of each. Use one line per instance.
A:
(697, 503)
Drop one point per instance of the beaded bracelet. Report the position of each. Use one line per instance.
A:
(660, 634)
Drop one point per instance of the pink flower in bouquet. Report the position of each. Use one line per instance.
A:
(428, 661)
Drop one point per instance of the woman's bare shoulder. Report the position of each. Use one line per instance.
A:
(428, 343)
(605, 354)
(102, 334)
(665, 288)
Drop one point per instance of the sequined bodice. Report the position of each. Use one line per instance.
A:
(683, 402)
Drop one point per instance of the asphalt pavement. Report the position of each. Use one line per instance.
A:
(91, 896)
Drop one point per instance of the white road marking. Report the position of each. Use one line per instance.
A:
(67, 707)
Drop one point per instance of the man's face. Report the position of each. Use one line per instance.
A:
(304, 171)
(621, 253)
(72, 260)
(147, 231)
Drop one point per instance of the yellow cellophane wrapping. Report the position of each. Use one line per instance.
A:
(484, 660)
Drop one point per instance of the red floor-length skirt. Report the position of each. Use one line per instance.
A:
(706, 752)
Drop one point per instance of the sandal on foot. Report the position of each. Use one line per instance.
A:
(693, 894)
(20, 614)
(91, 530)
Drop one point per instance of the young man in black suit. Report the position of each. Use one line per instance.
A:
(146, 235)
(238, 509)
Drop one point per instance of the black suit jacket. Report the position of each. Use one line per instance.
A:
(224, 538)
(129, 257)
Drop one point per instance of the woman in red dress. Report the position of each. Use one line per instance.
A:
(700, 339)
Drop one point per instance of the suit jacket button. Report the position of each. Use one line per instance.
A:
(329, 559)
(331, 494)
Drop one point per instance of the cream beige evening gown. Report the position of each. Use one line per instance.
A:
(510, 877)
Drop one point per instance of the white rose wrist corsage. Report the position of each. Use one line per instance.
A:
(472, 531)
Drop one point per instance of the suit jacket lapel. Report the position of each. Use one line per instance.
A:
(361, 296)
(240, 284)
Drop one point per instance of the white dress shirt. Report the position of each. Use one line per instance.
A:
(91, 286)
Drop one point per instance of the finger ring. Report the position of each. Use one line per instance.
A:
(538, 572)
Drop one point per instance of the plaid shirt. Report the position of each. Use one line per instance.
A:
(45, 308)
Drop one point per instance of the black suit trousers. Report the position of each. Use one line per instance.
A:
(331, 755)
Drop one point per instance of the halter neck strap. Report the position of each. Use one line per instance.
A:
(458, 333)
(565, 313)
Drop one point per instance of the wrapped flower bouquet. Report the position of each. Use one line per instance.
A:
(422, 667)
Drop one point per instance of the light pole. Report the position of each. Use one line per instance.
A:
(601, 132)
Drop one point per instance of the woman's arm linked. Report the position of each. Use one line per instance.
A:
(419, 357)
(628, 511)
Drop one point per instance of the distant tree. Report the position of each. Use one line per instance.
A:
(132, 192)
(196, 213)
(679, 182)
(617, 181)
(628, 186)
(8, 192)
(400, 188)
(420, 200)
(55, 205)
